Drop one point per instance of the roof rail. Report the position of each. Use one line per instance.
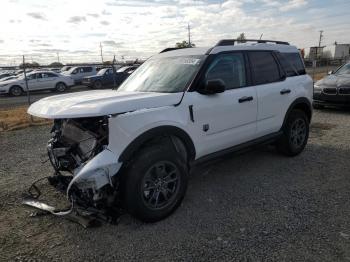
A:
(260, 41)
(171, 49)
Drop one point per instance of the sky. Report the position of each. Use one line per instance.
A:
(71, 31)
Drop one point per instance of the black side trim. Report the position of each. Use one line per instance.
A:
(156, 133)
(259, 141)
(301, 102)
(190, 108)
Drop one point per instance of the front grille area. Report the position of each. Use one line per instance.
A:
(344, 90)
(330, 90)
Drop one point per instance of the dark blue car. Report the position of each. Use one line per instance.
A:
(104, 77)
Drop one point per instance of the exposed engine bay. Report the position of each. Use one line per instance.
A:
(75, 141)
(74, 145)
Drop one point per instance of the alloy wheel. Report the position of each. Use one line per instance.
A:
(160, 185)
(298, 133)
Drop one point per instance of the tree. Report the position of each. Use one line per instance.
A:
(241, 38)
(184, 44)
(30, 65)
(56, 64)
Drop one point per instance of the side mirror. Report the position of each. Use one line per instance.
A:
(330, 72)
(214, 86)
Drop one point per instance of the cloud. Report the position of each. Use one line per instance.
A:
(293, 4)
(112, 43)
(37, 15)
(94, 15)
(50, 50)
(13, 21)
(76, 19)
(104, 23)
(1, 41)
(105, 12)
(285, 6)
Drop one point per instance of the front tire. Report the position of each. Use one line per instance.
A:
(295, 134)
(155, 182)
(97, 84)
(16, 91)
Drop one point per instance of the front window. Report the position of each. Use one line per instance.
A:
(164, 75)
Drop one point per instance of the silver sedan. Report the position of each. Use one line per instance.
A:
(43, 80)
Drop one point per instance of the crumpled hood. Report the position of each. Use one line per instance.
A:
(99, 103)
(334, 81)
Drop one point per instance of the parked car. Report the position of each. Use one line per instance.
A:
(333, 89)
(136, 145)
(79, 72)
(8, 78)
(4, 75)
(43, 80)
(104, 77)
(56, 70)
(65, 68)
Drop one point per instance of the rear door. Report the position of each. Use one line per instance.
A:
(47, 80)
(274, 92)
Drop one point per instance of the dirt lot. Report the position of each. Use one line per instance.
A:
(258, 206)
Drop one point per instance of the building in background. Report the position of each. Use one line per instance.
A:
(337, 51)
(314, 52)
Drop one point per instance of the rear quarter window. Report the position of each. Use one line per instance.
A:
(292, 64)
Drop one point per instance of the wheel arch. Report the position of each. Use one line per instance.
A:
(158, 132)
(61, 82)
(16, 85)
(301, 103)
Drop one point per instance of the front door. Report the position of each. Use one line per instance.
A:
(225, 119)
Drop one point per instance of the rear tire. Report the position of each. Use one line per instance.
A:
(16, 91)
(155, 182)
(295, 134)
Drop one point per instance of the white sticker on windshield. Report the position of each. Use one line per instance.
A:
(190, 61)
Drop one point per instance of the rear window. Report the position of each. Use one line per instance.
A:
(292, 64)
(265, 68)
(87, 69)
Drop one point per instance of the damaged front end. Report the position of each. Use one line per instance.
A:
(79, 148)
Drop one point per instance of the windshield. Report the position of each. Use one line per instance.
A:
(165, 75)
(345, 69)
(102, 71)
(121, 70)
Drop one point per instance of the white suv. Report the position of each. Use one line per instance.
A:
(136, 145)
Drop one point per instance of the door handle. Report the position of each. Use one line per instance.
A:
(285, 91)
(245, 99)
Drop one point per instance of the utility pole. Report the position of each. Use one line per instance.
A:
(58, 57)
(189, 34)
(321, 36)
(101, 52)
(261, 35)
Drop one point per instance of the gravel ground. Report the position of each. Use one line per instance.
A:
(258, 206)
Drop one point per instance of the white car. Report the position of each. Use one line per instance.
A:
(136, 145)
(79, 72)
(40, 80)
